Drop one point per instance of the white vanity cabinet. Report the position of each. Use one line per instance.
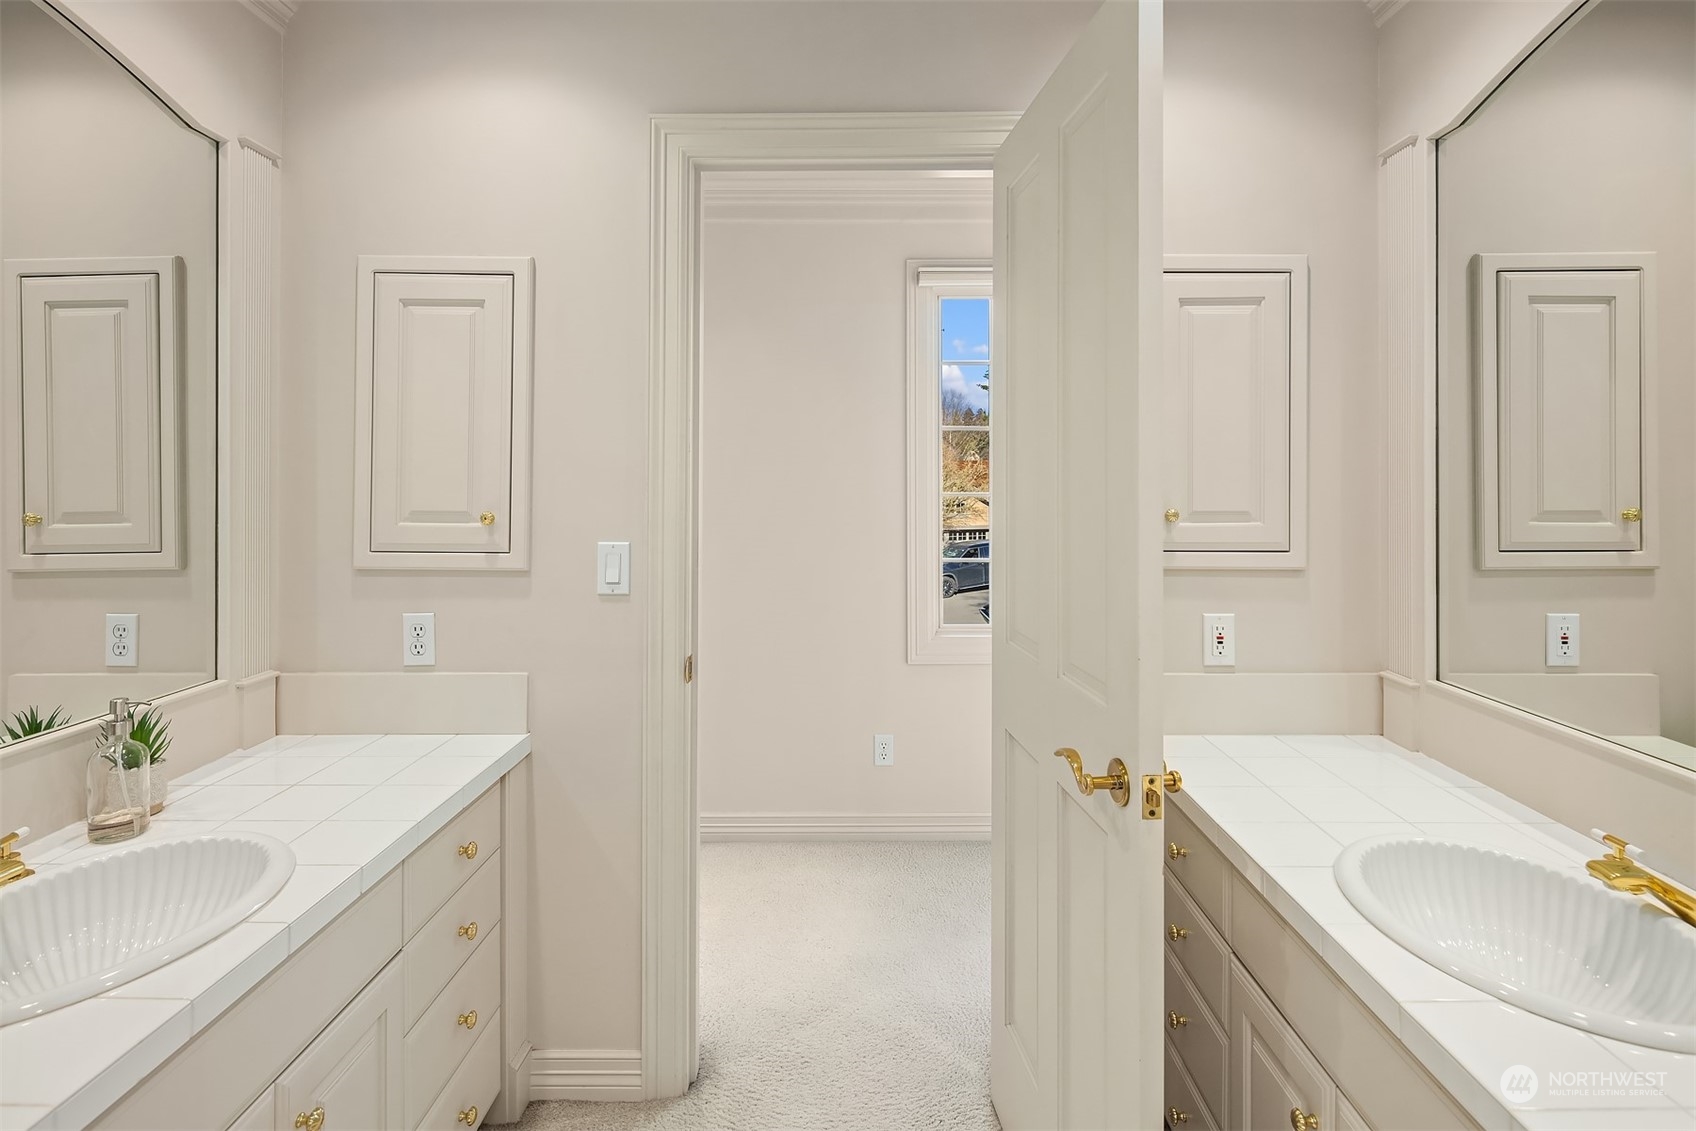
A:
(391, 1018)
(1260, 1034)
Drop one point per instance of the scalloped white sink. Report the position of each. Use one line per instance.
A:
(1554, 944)
(70, 933)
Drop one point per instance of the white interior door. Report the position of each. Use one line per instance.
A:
(1076, 954)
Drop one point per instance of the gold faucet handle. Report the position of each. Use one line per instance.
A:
(1621, 850)
(7, 852)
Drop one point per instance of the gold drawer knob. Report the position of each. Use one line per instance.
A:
(32, 519)
(1177, 851)
(1172, 514)
(310, 1120)
(1303, 1121)
(1632, 514)
(1175, 1117)
(1176, 1020)
(487, 518)
(469, 1020)
(469, 1116)
(469, 850)
(1177, 933)
(469, 931)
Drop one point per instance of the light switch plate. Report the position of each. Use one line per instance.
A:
(612, 568)
(123, 639)
(418, 640)
(1560, 640)
(1219, 640)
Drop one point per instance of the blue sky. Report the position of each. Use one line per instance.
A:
(965, 348)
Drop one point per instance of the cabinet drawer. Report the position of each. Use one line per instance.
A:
(351, 1072)
(439, 1042)
(1184, 1110)
(473, 1089)
(436, 870)
(443, 946)
(1201, 952)
(1201, 868)
(1199, 1041)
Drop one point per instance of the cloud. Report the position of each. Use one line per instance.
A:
(954, 380)
(960, 346)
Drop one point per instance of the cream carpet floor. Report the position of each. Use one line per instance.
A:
(843, 986)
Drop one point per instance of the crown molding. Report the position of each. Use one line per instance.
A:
(276, 13)
(1382, 10)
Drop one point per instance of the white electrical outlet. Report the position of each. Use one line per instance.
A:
(1560, 640)
(1219, 640)
(123, 639)
(883, 749)
(418, 639)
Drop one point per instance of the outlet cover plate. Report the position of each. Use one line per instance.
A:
(1560, 640)
(123, 639)
(883, 749)
(418, 640)
(1219, 640)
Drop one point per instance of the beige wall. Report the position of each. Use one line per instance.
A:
(522, 129)
(802, 606)
(136, 182)
(1269, 145)
(1604, 113)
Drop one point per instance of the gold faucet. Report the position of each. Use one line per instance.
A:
(1622, 873)
(12, 866)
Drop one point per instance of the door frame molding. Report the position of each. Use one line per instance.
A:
(683, 147)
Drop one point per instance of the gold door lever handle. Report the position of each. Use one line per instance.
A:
(1117, 779)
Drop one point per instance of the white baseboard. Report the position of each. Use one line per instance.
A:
(844, 826)
(1273, 703)
(586, 1074)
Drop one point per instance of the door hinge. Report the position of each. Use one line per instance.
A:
(689, 668)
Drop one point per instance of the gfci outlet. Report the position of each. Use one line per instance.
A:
(1219, 641)
(418, 639)
(883, 749)
(1560, 643)
(123, 639)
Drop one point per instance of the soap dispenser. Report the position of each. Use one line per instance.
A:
(118, 786)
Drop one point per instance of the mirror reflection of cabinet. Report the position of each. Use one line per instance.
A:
(1236, 412)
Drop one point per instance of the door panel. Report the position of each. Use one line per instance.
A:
(353, 1070)
(1273, 1074)
(1075, 1039)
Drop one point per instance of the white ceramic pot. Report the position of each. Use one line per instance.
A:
(157, 786)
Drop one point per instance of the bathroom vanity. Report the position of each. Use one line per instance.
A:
(1286, 1008)
(383, 987)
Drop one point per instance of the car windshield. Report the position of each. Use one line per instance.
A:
(962, 550)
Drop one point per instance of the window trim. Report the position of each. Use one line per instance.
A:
(929, 641)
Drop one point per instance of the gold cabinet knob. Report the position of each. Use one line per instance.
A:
(468, 1116)
(310, 1120)
(469, 931)
(32, 519)
(1175, 1117)
(469, 1019)
(1176, 1020)
(1116, 781)
(1176, 851)
(487, 518)
(1632, 514)
(1303, 1121)
(1172, 514)
(1177, 933)
(469, 850)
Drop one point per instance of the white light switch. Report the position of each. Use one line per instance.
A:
(613, 574)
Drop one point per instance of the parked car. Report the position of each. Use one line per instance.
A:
(965, 565)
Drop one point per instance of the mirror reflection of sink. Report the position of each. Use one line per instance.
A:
(1558, 945)
(77, 931)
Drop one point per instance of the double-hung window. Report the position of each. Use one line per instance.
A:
(948, 382)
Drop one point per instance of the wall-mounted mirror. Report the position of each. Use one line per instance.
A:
(108, 419)
(1566, 441)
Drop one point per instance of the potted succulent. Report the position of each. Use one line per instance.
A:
(28, 724)
(150, 737)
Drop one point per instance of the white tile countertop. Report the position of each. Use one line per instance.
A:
(1282, 808)
(352, 807)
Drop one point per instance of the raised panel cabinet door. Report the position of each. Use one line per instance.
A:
(1275, 1081)
(441, 413)
(1570, 410)
(1227, 480)
(352, 1075)
(1077, 1009)
(93, 423)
